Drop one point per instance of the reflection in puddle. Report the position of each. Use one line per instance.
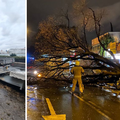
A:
(33, 99)
(65, 88)
(118, 96)
(107, 90)
(113, 94)
(101, 99)
(35, 88)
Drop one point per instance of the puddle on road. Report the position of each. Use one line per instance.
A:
(33, 96)
(36, 104)
(34, 99)
(107, 90)
(118, 97)
(114, 93)
(65, 88)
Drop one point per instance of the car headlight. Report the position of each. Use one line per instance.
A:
(35, 72)
(39, 75)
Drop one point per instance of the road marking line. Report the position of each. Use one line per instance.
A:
(98, 107)
(53, 115)
(52, 111)
(93, 107)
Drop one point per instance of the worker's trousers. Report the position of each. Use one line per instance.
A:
(81, 86)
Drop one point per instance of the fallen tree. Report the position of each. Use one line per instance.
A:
(58, 41)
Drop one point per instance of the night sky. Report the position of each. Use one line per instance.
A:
(38, 10)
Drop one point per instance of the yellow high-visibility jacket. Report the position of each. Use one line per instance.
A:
(77, 71)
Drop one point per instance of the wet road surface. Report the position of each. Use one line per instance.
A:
(12, 103)
(96, 103)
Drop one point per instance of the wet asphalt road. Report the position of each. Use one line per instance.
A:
(12, 102)
(95, 104)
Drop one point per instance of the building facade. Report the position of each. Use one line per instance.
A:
(18, 52)
(111, 41)
(6, 60)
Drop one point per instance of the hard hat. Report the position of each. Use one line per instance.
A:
(77, 63)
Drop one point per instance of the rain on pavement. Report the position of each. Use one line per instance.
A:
(96, 103)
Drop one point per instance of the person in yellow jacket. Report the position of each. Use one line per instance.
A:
(77, 71)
